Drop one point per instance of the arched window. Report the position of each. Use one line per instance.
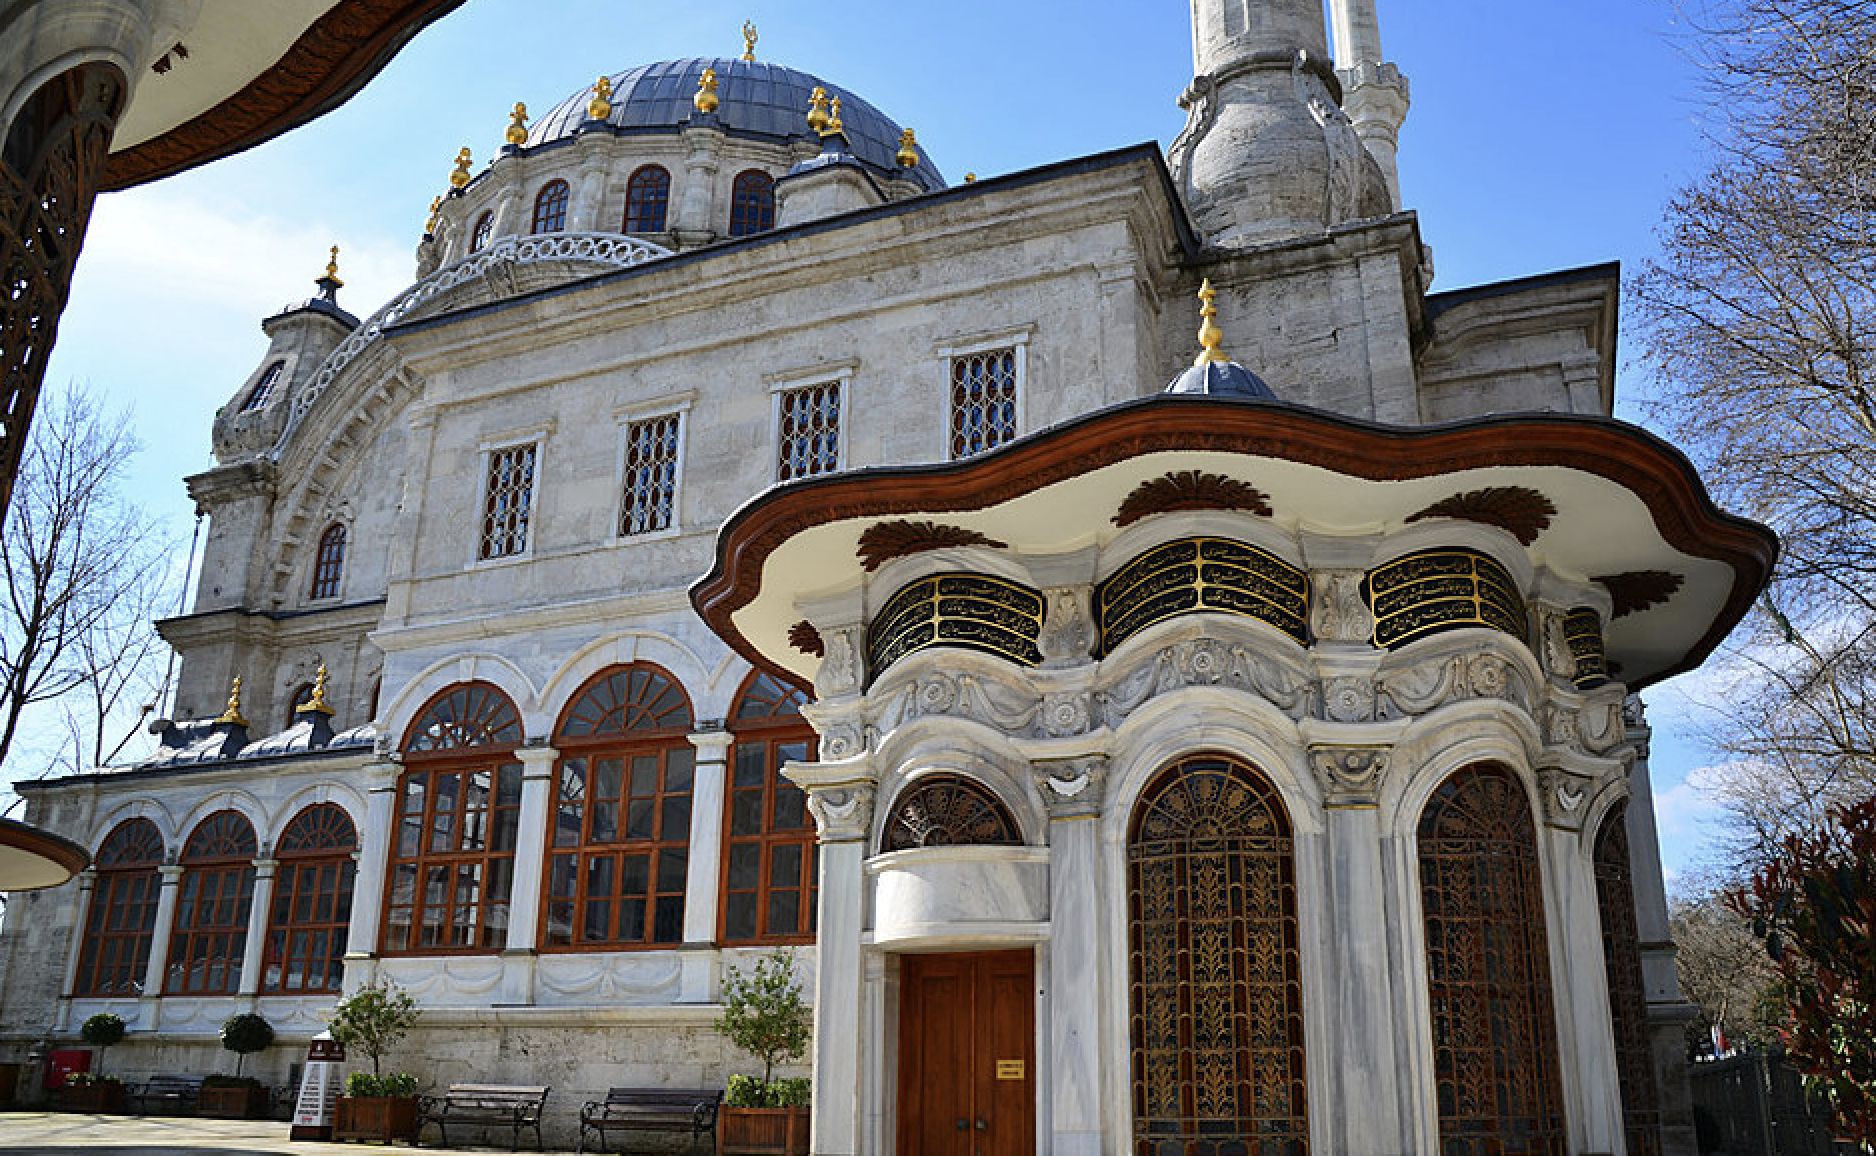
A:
(1628, 998)
(619, 835)
(770, 864)
(479, 236)
(211, 932)
(1215, 995)
(1495, 1066)
(647, 199)
(329, 562)
(752, 203)
(312, 903)
(945, 811)
(264, 388)
(122, 919)
(550, 207)
(459, 803)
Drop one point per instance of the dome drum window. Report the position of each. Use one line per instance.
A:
(647, 200)
(479, 237)
(1436, 590)
(752, 203)
(1202, 574)
(263, 390)
(550, 207)
(975, 611)
(329, 563)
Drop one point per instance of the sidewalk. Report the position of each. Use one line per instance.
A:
(78, 1134)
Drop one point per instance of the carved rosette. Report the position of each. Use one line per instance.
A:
(1564, 795)
(1340, 608)
(1069, 713)
(844, 813)
(1071, 788)
(1349, 776)
(1347, 699)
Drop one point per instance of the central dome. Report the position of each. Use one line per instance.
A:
(758, 99)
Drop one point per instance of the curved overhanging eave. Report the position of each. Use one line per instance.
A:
(1625, 503)
(31, 858)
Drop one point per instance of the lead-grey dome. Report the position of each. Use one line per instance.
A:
(757, 99)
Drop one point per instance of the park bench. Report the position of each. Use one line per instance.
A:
(650, 1110)
(172, 1094)
(486, 1106)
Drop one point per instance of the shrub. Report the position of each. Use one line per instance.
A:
(765, 1015)
(373, 1019)
(101, 1031)
(245, 1033)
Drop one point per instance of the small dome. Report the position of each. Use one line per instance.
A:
(758, 99)
(1221, 379)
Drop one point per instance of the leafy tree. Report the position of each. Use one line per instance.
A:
(373, 1019)
(1724, 972)
(765, 1015)
(245, 1033)
(101, 1031)
(1759, 320)
(1815, 906)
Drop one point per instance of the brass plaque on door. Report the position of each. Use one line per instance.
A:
(1009, 1069)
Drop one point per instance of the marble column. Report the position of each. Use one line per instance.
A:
(519, 952)
(159, 943)
(374, 857)
(260, 907)
(75, 950)
(1578, 980)
(1074, 790)
(703, 878)
(844, 814)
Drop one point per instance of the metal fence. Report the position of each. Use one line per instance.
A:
(1755, 1105)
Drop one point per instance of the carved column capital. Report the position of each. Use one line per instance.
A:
(840, 664)
(844, 812)
(1350, 776)
(1068, 630)
(1338, 611)
(1071, 788)
(1564, 796)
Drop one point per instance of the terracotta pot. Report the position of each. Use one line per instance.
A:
(233, 1103)
(762, 1131)
(377, 1118)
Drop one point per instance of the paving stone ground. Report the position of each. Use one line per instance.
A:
(74, 1133)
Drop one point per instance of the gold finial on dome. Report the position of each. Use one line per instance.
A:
(317, 704)
(1210, 336)
(517, 133)
(460, 177)
(817, 111)
(749, 40)
(907, 156)
(705, 99)
(833, 119)
(436, 211)
(970, 178)
(232, 716)
(332, 269)
(600, 107)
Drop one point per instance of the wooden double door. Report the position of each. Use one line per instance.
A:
(967, 1054)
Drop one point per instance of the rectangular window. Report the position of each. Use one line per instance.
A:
(808, 431)
(983, 401)
(649, 499)
(508, 504)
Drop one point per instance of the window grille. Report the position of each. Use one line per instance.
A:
(550, 207)
(752, 203)
(1628, 995)
(983, 401)
(647, 200)
(509, 502)
(329, 562)
(649, 500)
(809, 433)
(946, 811)
(263, 390)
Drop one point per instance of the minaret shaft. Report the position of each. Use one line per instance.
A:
(1226, 32)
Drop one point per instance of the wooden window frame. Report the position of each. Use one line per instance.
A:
(208, 940)
(762, 742)
(313, 889)
(120, 923)
(648, 189)
(329, 563)
(550, 207)
(752, 203)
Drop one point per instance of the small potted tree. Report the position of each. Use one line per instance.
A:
(94, 1091)
(238, 1097)
(376, 1106)
(765, 1015)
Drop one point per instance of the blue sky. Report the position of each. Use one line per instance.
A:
(1542, 137)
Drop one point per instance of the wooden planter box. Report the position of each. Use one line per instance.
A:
(762, 1131)
(233, 1103)
(381, 1119)
(106, 1097)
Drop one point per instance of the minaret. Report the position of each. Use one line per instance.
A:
(1374, 93)
(1267, 153)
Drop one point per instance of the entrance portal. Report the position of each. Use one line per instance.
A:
(967, 1054)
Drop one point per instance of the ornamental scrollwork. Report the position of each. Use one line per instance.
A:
(840, 667)
(1067, 633)
(1341, 609)
(1071, 788)
(1426, 686)
(1349, 776)
(843, 814)
(1205, 662)
(1563, 795)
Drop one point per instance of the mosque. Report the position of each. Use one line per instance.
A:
(1170, 675)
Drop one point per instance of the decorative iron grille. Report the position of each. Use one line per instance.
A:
(508, 505)
(983, 401)
(809, 441)
(649, 499)
(1628, 999)
(947, 810)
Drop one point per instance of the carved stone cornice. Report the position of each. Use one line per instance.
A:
(1074, 788)
(1350, 776)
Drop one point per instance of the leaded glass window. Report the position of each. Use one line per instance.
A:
(649, 499)
(312, 906)
(770, 854)
(121, 921)
(647, 199)
(479, 238)
(263, 390)
(808, 433)
(508, 501)
(211, 930)
(983, 401)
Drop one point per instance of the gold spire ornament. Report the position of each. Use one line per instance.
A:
(332, 269)
(1210, 336)
(705, 98)
(436, 213)
(833, 119)
(517, 133)
(317, 704)
(817, 111)
(232, 716)
(600, 107)
(460, 177)
(907, 156)
(749, 40)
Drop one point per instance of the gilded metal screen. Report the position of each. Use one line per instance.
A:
(1488, 970)
(1216, 1006)
(1628, 1000)
(947, 811)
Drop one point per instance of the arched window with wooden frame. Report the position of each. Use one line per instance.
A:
(458, 813)
(312, 908)
(211, 930)
(550, 207)
(946, 810)
(1495, 1063)
(619, 834)
(1628, 997)
(771, 863)
(329, 562)
(121, 921)
(647, 200)
(1214, 981)
(752, 203)
(479, 236)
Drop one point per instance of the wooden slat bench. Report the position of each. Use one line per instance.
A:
(485, 1105)
(166, 1093)
(650, 1110)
